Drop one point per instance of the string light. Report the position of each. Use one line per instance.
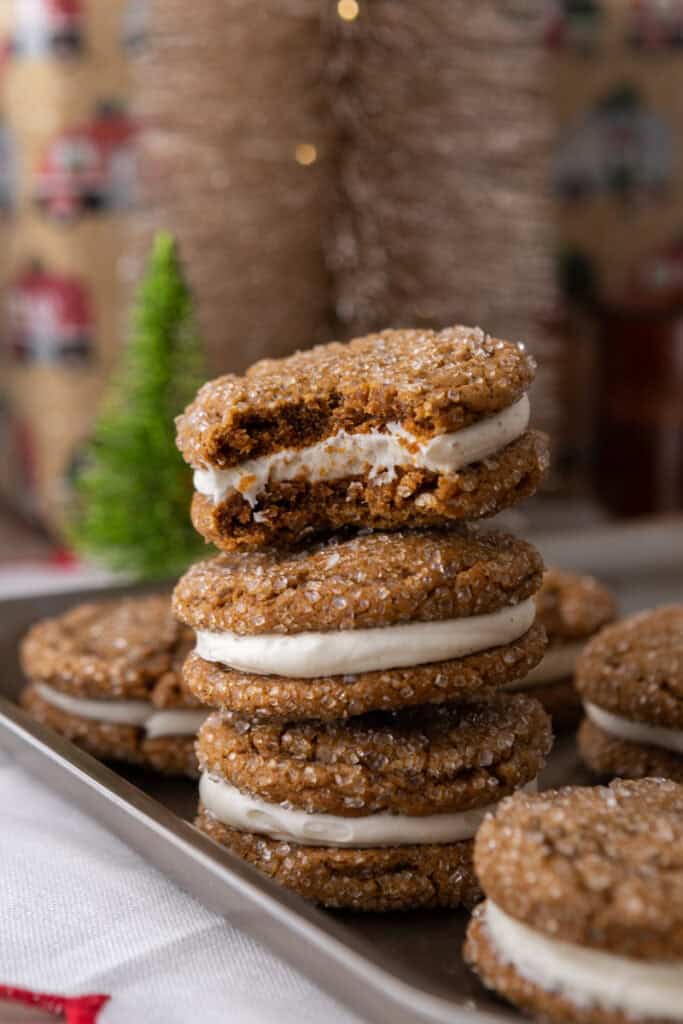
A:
(305, 154)
(348, 10)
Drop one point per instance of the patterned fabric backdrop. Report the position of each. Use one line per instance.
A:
(67, 181)
(330, 167)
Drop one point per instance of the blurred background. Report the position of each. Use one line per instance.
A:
(330, 168)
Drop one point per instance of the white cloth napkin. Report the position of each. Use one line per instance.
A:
(81, 912)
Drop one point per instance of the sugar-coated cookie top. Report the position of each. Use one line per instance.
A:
(572, 607)
(600, 866)
(371, 579)
(430, 382)
(634, 668)
(422, 761)
(126, 647)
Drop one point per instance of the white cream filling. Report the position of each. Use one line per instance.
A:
(140, 713)
(250, 814)
(585, 976)
(637, 732)
(558, 663)
(175, 722)
(377, 453)
(348, 651)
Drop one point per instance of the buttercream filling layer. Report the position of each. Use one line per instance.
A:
(586, 976)
(140, 713)
(637, 732)
(558, 663)
(377, 453)
(250, 814)
(348, 651)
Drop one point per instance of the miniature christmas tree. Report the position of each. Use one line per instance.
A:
(133, 491)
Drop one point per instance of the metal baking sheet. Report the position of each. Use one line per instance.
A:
(397, 967)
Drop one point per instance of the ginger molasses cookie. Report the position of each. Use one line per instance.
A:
(402, 428)
(107, 675)
(583, 920)
(377, 813)
(571, 608)
(372, 622)
(630, 678)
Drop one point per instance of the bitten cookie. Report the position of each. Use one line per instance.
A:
(402, 428)
(107, 675)
(409, 618)
(571, 608)
(583, 920)
(377, 813)
(630, 678)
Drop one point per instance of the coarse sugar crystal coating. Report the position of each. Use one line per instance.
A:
(364, 581)
(170, 755)
(402, 428)
(429, 382)
(571, 606)
(419, 762)
(608, 756)
(258, 697)
(380, 879)
(528, 995)
(283, 698)
(634, 668)
(130, 647)
(599, 867)
(290, 510)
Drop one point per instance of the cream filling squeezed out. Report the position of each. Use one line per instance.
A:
(636, 732)
(347, 651)
(377, 453)
(586, 976)
(250, 814)
(156, 722)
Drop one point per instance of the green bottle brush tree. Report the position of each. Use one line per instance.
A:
(132, 488)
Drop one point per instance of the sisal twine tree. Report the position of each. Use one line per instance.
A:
(337, 167)
(238, 161)
(444, 212)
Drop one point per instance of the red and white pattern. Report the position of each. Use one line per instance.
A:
(71, 1009)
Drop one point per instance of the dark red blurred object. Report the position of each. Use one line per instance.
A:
(639, 457)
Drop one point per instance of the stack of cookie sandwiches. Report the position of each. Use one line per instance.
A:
(108, 676)
(572, 609)
(355, 634)
(630, 678)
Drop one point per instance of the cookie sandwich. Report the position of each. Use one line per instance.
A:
(571, 608)
(630, 678)
(107, 675)
(376, 621)
(583, 920)
(376, 813)
(405, 427)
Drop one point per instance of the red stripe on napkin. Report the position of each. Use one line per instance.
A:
(72, 1009)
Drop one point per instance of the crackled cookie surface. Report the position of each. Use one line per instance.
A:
(108, 675)
(334, 810)
(583, 919)
(571, 608)
(406, 427)
(630, 679)
(374, 621)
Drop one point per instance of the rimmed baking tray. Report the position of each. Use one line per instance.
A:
(385, 967)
